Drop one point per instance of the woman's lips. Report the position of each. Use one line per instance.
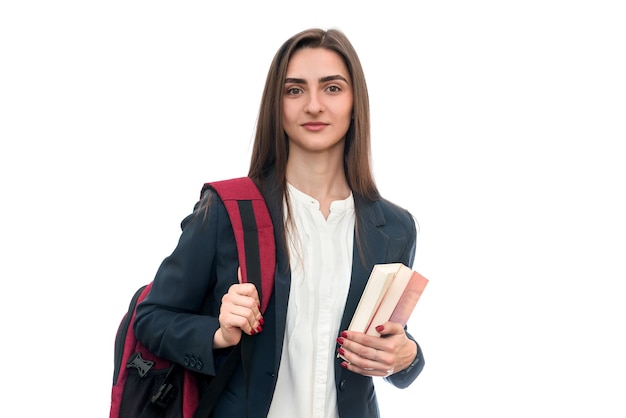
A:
(314, 126)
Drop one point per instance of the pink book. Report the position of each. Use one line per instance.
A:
(409, 299)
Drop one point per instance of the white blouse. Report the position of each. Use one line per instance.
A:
(321, 264)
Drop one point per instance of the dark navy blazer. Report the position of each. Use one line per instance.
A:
(193, 279)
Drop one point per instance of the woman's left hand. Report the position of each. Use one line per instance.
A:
(382, 356)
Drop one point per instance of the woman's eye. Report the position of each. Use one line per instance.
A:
(294, 90)
(334, 89)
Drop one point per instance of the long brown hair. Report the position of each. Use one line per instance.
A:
(271, 149)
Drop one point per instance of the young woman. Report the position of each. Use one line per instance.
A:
(311, 160)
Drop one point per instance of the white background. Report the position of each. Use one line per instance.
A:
(500, 125)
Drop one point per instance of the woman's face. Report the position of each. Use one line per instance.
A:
(317, 100)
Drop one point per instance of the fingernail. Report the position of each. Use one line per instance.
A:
(261, 321)
(259, 328)
(344, 364)
(341, 351)
(344, 334)
(340, 341)
(380, 328)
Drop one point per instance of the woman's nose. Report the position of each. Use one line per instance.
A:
(314, 104)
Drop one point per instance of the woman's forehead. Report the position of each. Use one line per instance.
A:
(315, 63)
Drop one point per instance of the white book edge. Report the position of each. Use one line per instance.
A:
(375, 289)
(390, 298)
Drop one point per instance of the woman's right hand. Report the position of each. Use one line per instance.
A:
(240, 312)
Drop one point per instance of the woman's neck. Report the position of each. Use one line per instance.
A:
(321, 178)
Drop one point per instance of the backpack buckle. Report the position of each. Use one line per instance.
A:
(142, 366)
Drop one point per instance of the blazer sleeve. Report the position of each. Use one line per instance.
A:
(178, 318)
(404, 378)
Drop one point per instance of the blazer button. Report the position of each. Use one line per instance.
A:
(192, 362)
(186, 360)
(342, 384)
(199, 364)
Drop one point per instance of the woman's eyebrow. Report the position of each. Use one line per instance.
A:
(294, 80)
(332, 77)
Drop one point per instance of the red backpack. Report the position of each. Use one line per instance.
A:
(146, 386)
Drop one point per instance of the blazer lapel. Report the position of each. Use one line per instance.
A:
(370, 247)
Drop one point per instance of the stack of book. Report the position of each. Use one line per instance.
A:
(391, 293)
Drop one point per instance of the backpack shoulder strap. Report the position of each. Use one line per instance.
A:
(254, 232)
(256, 248)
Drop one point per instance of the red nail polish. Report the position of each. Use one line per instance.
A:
(340, 341)
(380, 328)
(261, 321)
(259, 328)
(341, 351)
(344, 334)
(344, 364)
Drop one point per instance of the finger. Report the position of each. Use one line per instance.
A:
(357, 360)
(367, 371)
(240, 317)
(366, 366)
(233, 314)
(356, 339)
(248, 290)
(364, 346)
(365, 357)
(243, 290)
(390, 328)
(242, 301)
